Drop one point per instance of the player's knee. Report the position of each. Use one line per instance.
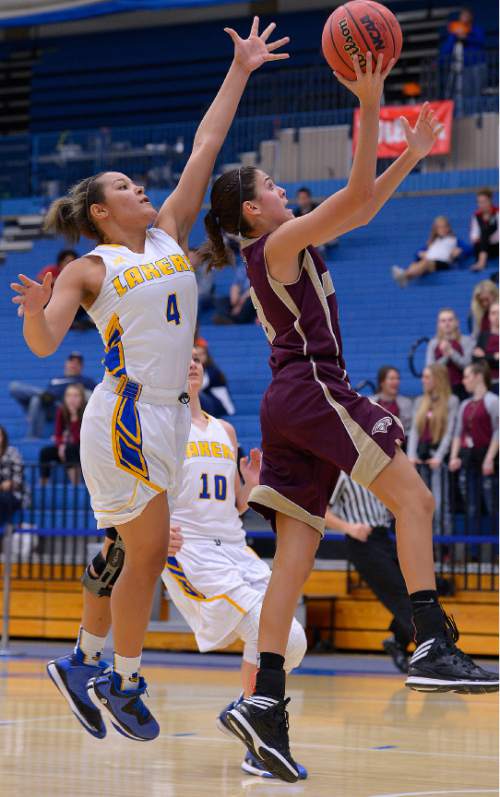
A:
(148, 561)
(296, 648)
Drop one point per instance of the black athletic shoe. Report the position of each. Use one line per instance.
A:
(439, 666)
(397, 653)
(262, 724)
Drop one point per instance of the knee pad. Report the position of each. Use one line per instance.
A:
(297, 646)
(107, 570)
(248, 631)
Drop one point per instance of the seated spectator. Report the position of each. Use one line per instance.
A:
(483, 296)
(12, 487)
(237, 308)
(39, 402)
(450, 348)
(487, 347)
(214, 395)
(64, 257)
(484, 230)
(304, 202)
(204, 279)
(430, 439)
(66, 448)
(474, 452)
(440, 253)
(388, 396)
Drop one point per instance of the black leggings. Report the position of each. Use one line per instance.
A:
(50, 454)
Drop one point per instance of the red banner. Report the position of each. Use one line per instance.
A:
(391, 137)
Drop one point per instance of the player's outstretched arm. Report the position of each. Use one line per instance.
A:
(49, 314)
(180, 210)
(323, 223)
(420, 140)
(250, 470)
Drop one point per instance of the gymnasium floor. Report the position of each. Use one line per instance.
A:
(355, 726)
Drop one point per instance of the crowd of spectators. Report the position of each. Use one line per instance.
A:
(444, 249)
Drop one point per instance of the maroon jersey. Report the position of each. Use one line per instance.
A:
(455, 373)
(300, 319)
(391, 406)
(477, 429)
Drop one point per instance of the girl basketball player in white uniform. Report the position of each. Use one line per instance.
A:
(216, 581)
(140, 290)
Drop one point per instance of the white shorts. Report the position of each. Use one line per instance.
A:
(214, 586)
(130, 451)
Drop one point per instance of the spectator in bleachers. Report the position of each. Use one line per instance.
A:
(440, 253)
(389, 397)
(64, 257)
(474, 451)
(66, 448)
(450, 348)
(430, 438)
(215, 397)
(40, 402)
(304, 201)
(484, 295)
(12, 486)
(487, 346)
(463, 55)
(237, 308)
(484, 230)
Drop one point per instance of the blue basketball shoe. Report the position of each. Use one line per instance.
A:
(131, 717)
(71, 675)
(221, 720)
(253, 766)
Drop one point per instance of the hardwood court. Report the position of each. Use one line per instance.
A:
(359, 735)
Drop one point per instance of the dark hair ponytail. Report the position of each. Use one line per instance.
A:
(228, 194)
(70, 215)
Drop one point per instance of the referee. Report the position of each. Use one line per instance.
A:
(367, 523)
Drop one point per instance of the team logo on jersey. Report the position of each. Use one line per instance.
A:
(382, 425)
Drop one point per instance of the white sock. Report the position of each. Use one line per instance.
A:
(127, 669)
(92, 646)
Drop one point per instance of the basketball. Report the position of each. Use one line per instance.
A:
(356, 28)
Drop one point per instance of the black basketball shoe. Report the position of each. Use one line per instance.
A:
(262, 724)
(397, 653)
(437, 665)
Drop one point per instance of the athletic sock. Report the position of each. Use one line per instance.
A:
(91, 646)
(271, 677)
(428, 616)
(127, 669)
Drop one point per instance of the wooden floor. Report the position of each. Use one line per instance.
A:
(359, 735)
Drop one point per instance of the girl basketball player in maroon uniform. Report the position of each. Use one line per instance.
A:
(314, 424)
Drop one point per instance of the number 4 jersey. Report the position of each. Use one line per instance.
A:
(146, 311)
(205, 506)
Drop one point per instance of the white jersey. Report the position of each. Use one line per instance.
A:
(205, 507)
(146, 311)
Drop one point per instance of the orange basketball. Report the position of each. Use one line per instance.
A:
(354, 29)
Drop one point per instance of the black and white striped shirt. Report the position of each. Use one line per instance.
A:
(356, 504)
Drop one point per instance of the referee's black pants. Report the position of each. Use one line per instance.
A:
(377, 563)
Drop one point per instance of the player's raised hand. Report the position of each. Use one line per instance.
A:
(251, 53)
(369, 85)
(32, 296)
(250, 467)
(422, 137)
(175, 541)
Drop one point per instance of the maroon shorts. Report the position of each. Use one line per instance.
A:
(314, 426)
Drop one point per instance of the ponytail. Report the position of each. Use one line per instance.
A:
(228, 194)
(70, 215)
(215, 252)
